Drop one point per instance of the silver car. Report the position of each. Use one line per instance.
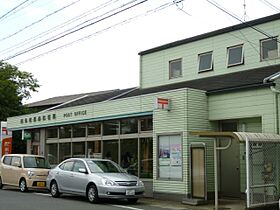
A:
(94, 178)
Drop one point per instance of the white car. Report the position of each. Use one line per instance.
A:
(94, 178)
(23, 170)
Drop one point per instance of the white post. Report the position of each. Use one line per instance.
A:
(216, 175)
(247, 174)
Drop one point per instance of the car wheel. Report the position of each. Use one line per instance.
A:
(92, 194)
(54, 190)
(22, 185)
(1, 184)
(132, 200)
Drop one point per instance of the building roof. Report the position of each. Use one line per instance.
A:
(211, 85)
(213, 33)
(105, 96)
(62, 99)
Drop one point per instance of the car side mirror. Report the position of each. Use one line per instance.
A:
(83, 170)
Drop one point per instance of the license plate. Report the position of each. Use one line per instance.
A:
(130, 192)
(40, 184)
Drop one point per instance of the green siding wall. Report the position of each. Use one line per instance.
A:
(189, 112)
(245, 104)
(155, 66)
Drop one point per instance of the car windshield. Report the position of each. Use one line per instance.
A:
(36, 162)
(103, 166)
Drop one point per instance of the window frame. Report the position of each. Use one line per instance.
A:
(171, 75)
(242, 55)
(49, 129)
(211, 65)
(159, 177)
(261, 48)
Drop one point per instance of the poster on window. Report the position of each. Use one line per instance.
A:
(164, 152)
(176, 155)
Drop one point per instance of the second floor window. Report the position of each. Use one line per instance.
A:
(205, 61)
(269, 48)
(175, 68)
(235, 55)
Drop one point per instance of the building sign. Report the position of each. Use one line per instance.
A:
(26, 135)
(75, 114)
(162, 103)
(5, 139)
(39, 118)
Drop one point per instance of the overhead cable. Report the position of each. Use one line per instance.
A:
(76, 30)
(40, 20)
(13, 9)
(157, 9)
(55, 28)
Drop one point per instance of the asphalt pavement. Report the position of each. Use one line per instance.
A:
(13, 199)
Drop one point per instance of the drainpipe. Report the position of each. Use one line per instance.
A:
(276, 92)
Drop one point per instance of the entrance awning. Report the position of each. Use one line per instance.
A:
(250, 139)
(239, 136)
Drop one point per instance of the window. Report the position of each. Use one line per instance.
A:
(16, 161)
(269, 48)
(170, 157)
(51, 152)
(7, 160)
(64, 151)
(35, 162)
(111, 127)
(78, 149)
(78, 165)
(235, 55)
(146, 123)
(52, 133)
(94, 149)
(111, 150)
(94, 129)
(65, 132)
(67, 166)
(146, 158)
(129, 126)
(205, 61)
(129, 155)
(175, 68)
(79, 131)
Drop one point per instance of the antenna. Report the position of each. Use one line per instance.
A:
(244, 7)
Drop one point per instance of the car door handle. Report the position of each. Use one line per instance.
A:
(71, 175)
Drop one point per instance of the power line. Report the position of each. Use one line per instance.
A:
(270, 5)
(57, 27)
(235, 36)
(164, 6)
(75, 27)
(74, 31)
(40, 20)
(214, 3)
(13, 9)
(10, 16)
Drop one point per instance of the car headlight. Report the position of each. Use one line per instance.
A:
(30, 174)
(108, 182)
(140, 183)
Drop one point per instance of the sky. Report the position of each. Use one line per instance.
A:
(81, 46)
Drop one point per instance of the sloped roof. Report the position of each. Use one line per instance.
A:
(62, 99)
(98, 97)
(211, 85)
(221, 83)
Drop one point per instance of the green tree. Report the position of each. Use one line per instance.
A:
(15, 85)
